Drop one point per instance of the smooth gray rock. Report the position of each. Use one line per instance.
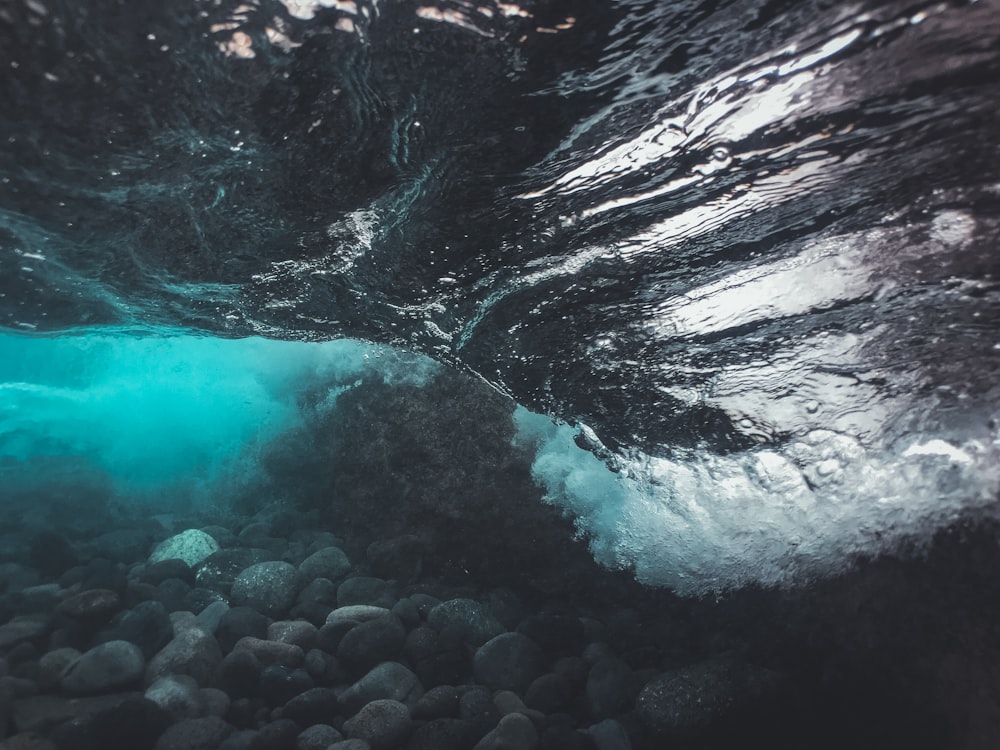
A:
(192, 652)
(271, 585)
(513, 731)
(329, 562)
(383, 724)
(176, 694)
(611, 687)
(610, 735)
(366, 590)
(107, 667)
(467, 619)
(317, 737)
(508, 662)
(191, 546)
(371, 643)
(389, 680)
(690, 700)
(295, 632)
(195, 734)
(272, 653)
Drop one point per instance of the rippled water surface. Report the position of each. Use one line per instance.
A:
(749, 250)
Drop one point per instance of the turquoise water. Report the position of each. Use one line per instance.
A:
(152, 409)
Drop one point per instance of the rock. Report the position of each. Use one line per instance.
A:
(353, 744)
(272, 653)
(466, 619)
(424, 603)
(147, 625)
(210, 617)
(195, 734)
(370, 643)
(52, 665)
(314, 706)
(317, 737)
(299, 633)
(240, 622)
(407, 612)
(441, 734)
(93, 605)
(176, 694)
(389, 680)
(508, 662)
(27, 741)
(513, 731)
(219, 570)
(476, 706)
(192, 652)
(341, 620)
(277, 735)
(550, 693)
(243, 739)
(133, 722)
(26, 628)
(158, 572)
(239, 674)
(611, 687)
(191, 546)
(383, 724)
(437, 703)
(173, 594)
(399, 559)
(610, 735)
(704, 697)
(436, 662)
(50, 553)
(197, 599)
(329, 562)
(509, 702)
(315, 601)
(272, 585)
(278, 685)
(42, 712)
(111, 665)
(366, 590)
(323, 667)
(214, 702)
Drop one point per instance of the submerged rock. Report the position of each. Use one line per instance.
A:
(271, 585)
(383, 724)
(191, 546)
(508, 662)
(106, 667)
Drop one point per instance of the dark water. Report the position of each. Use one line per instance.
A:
(750, 248)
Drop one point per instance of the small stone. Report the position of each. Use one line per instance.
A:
(27, 741)
(278, 684)
(214, 702)
(192, 652)
(352, 744)
(210, 617)
(330, 563)
(111, 665)
(466, 619)
(219, 570)
(191, 546)
(52, 665)
(272, 653)
(195, 734)
(389, 680)
(441, 734)
(27, 628)
(317, 737)
(550, 693)
(437, 703)
(314, 706)
(514, 731)
(176, 694)
(383, 724)
(370, 643)
(272, 585)
(147, 625)
(277, 735)
(299, 633)
(610, 735)
(508, 662)
(240, 622)
(158, 572)
(355, 614)
(611, 687)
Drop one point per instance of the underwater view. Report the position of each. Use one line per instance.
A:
(488, 375)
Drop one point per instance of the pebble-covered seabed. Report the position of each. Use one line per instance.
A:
(234, 633)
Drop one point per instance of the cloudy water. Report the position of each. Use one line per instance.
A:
(745, 252)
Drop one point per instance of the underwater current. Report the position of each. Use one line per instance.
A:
(736, 262)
